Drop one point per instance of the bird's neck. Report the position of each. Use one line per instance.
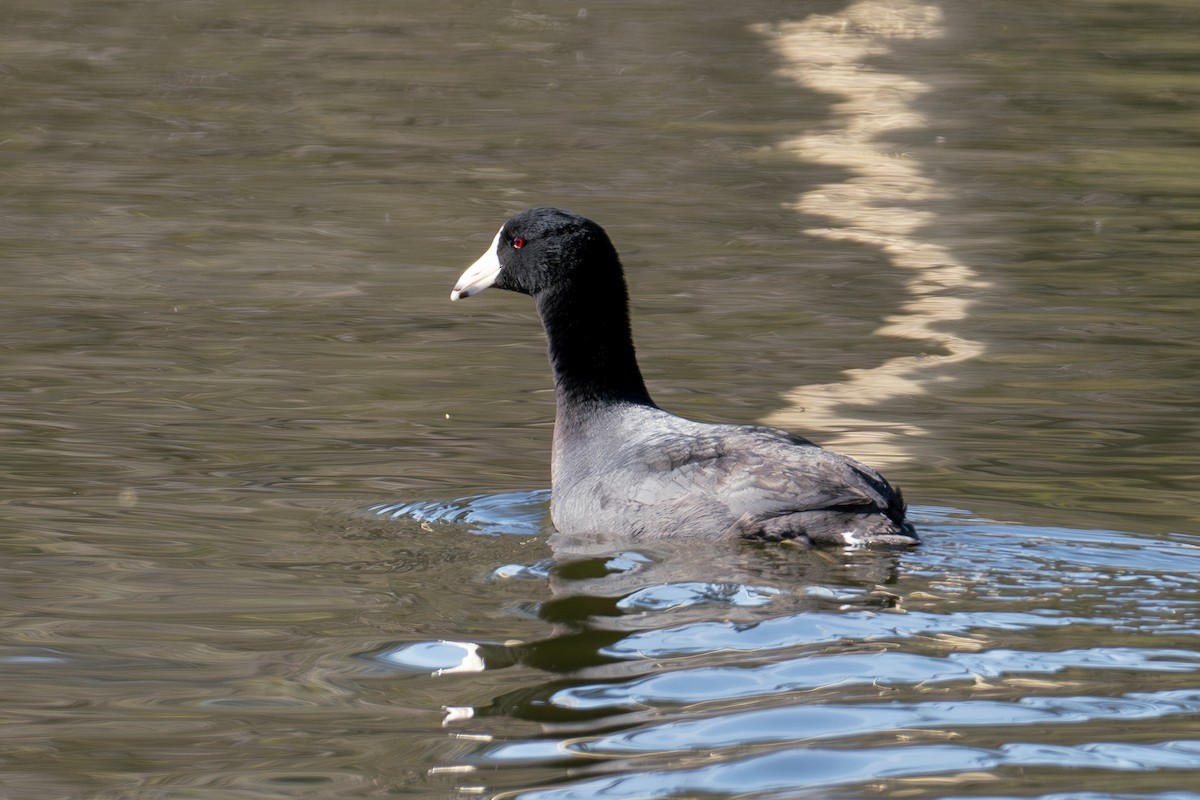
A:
(591, 348)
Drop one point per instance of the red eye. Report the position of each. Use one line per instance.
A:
(518, 243)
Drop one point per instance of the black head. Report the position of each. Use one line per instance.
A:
(541, 249)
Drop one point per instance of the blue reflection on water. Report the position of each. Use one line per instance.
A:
(522, 513)
(672, 670)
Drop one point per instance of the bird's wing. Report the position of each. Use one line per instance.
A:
(759, 470)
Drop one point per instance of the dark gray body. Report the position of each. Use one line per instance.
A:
(647, 473)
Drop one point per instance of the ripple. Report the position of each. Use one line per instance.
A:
(521, 513)
(834, 720)
(767, 775)
(444, 657)
(697, 593)
(816, 628)
(707, 684)
(774, 772)
(1035, 651)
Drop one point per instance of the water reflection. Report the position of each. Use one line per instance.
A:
(879, 206)
(226, 235)
(678, 681)
(512, 512)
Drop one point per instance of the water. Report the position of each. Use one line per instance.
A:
(273, 511)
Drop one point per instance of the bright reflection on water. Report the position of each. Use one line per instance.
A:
(958, 239)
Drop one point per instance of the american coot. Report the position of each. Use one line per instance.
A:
(622, 465)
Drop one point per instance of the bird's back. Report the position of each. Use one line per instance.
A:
(644, 472)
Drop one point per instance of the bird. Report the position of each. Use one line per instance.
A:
(620, 465)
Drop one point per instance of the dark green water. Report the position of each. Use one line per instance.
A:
(959, 241)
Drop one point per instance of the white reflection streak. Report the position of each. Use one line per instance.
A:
(829, 54)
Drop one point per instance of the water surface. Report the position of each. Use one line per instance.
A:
(273, 515)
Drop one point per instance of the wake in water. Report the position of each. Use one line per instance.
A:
(1066, 657)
